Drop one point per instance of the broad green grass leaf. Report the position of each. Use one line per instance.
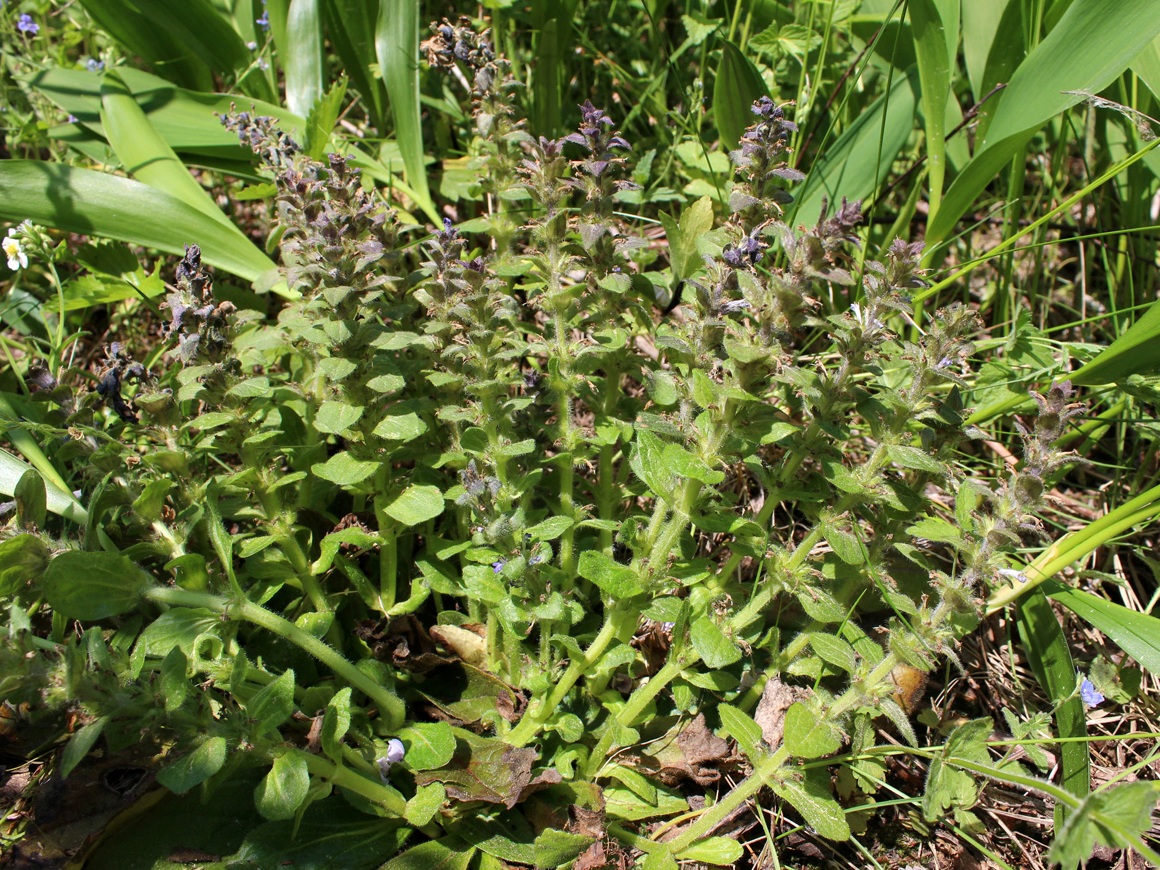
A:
(284, 788)
(856, 164)
(738, 85)
(303, 59)
(144, 154)
(417, 504)
(350, 24)
(59, 499)
(1137, 634)
(935, 27)
(195, 768)
(1136, 351)
(1050, 656)
(1075, 545)
(94, 203)
(1089, 47)
(812, 798)
(90, 586)
(130, 25)
(397, 48)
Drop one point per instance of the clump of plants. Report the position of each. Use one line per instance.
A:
(472, 537)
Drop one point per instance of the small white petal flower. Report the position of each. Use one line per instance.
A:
(14, 251)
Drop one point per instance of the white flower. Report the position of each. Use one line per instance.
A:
(14, 251)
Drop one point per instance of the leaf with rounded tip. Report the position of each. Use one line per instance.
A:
(92, 586)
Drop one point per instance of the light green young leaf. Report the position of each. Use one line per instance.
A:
(811, 796)
(430, 745)
(335, 723)
(272, 704)
(615, 580)
(421, 808)
(334, 418)
(718, 851)
(342, 469)
(741, 727)
(284, 788)
(648, 464)
(834, 651)
(417, 504)
(450, 853)
(195, 768)
(711, 644)
(805, 736)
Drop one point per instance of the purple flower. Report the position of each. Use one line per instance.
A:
(94, 65)
(264, 20)
(1091, 697)
(26, 25)
(498, 566)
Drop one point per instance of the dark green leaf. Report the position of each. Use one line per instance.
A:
(738, 86)
(31, 500)
(79, 745)
(196, 767)
(273, 704)
(22, 560)
(92, 586)
(284, 788)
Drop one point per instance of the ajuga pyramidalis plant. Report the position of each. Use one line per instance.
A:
(473, 534)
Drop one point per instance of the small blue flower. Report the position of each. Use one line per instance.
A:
(26, 25)
(1091, 697)
(264, 21)
(94, 65)
(498, 566)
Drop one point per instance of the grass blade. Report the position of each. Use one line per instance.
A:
(1137, 634)
(303, 61)
(351, 27)
(1135, 352)
(60, 502)
(859, 160)
(144, 154)
(1075, 545)
(111, 207)
(124, 21)
(1090, 46)
(397, 48)
(934, 26)
(1050, 658)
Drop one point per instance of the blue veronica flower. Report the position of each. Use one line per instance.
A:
(25, 24)
(1091, 697)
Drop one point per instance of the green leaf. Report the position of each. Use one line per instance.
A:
(1137, 634)
(858, 162)
(273, 704)
(556, 848)
(303, 59)
(741, 727)
(417, 504)
(912, 457)
(845, 545)
(427, 801)
(947, 786)
(322, 118)
(92, 586)
(284, 788)
(812, 798)
(834, 651)
(94, 203)
(79, 745)
(31, 496)
(22, 559)
(342, 469)
(430, 745)
(682, 236)
(335, 723)
(1117, 817)
(350, 25)
(145, 154)
(173, 680)
(334, 418)
(711, 644)
(1099, 38)
(397, 48)
(719, 851)
(738, 86)
(615, 580)
(446, 854)
(550, 529)
(196, 767)
(1136, 351)
(401, 427)
(647, 463)
(935, 26)
(805, 736)
(1050, 655)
